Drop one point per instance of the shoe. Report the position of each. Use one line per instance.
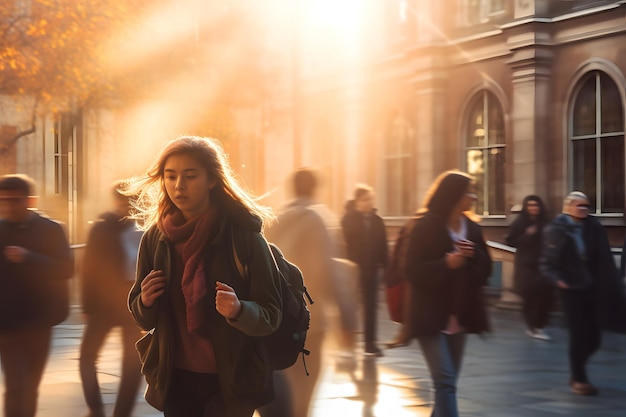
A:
(396, 343)
(530, 332)
(582, 388)
(373, 351)
(541, 335)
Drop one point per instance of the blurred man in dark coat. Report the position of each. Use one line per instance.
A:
(35, 267)
(576, 257)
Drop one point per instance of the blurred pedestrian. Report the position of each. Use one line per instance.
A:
(447, 264)
(536, 292)
(366, 240)
(108, 272)
(305, 234)
(35, 267)
(577, 259)
(206, 321)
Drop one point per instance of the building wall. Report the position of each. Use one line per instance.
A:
(530, 56)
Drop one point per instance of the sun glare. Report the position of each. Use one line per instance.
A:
(340, 17)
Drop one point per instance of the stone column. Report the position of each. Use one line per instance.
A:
(530, 65)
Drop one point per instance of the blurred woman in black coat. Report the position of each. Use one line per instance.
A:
(447, 265)
(537, 293)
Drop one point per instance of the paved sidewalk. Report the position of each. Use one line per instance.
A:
(506, 374)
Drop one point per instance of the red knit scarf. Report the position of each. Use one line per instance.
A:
(194, 234)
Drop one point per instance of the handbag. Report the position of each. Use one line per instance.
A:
(148, 349)
(396, 296)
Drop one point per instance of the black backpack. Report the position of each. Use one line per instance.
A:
(285, 344)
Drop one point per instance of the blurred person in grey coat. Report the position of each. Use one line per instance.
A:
(309, 235)
(108, 273)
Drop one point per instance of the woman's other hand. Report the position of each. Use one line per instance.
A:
(152, 287)
(226, 301)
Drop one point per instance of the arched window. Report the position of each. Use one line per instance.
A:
(399, 139)
(596, 134)
(484, 152)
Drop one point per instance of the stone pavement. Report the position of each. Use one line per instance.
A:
(505, 374)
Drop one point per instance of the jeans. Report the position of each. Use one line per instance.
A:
(443, 354)
(23, 354)
(96, 331)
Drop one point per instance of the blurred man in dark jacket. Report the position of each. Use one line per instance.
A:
(107, 276)
(576, 257)
(366, 240)
(35, 267)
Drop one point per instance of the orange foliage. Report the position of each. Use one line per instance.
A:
(52, 50)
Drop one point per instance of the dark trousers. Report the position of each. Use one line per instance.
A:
(585, 334)
(193, 394)
(94, 337)
(369, 290)
(537, 304)
(23, 354)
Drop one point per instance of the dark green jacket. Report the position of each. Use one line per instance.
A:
(244, 372)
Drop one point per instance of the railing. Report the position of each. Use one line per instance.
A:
(505, 255)
(77, 251)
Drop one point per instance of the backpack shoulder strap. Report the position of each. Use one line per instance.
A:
(242, 268)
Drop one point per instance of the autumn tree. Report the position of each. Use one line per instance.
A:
(54, 54)
(66, 55)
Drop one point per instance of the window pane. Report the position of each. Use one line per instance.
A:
(496, 181)
(398, 198)
(476, 167)
(495, 121)
(584, 167)
(611, 106)
(613, 175)
(476, 124)
(584, 116)
(400, 137)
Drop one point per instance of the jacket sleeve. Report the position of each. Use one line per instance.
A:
(57, 262)
(146, 318)
(262, 312)
(554, 239)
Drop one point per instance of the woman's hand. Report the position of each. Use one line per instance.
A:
(455, 260)
(152, 287)
(226, 301)
(465, 248)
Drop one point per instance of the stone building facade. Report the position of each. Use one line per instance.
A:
(527, 95)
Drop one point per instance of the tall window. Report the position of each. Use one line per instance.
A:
(480, 11)
(597, 143)
(484, 152)
(398, 201)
